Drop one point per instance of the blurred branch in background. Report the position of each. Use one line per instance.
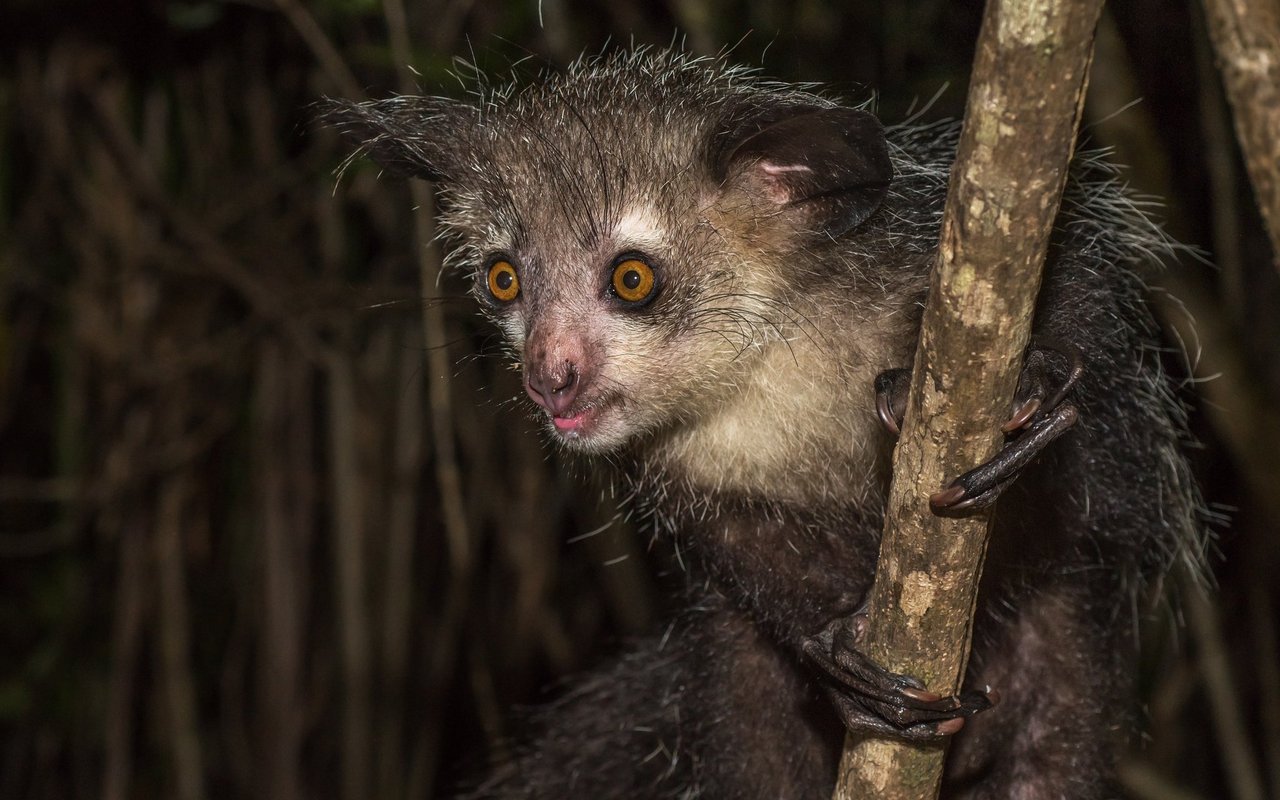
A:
(269, 526)
(1246, 38)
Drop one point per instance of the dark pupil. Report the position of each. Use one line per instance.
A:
(503, 280)
(631, 279)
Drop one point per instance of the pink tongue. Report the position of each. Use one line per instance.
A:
(567, 423)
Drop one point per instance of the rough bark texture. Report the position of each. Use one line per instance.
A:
(1246, 37)
(1023, 109)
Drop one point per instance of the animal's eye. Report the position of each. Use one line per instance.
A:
(633, 280)
(504, 283)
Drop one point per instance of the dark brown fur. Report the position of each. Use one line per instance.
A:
(742, 400)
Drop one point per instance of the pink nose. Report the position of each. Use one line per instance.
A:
(553, 387)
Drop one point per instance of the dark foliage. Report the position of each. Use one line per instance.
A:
(255, 541)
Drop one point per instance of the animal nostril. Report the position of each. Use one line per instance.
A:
(555, 390)
(561, 384)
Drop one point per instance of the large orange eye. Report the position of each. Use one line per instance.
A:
(504, 283)
(633, 280)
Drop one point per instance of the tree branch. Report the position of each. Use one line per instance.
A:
(1246, 37)
(1024, 105)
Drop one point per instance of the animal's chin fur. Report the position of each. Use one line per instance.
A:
(795, 426)
(612, 439)
(791, 432)
(614, 431)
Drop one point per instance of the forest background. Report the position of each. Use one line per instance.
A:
(270, 524)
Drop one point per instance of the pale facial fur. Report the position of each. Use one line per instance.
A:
(750, 398)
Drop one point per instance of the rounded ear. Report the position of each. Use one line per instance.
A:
(418, 137)
(826, 169)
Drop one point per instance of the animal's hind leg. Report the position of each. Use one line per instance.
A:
(619, 732)
(1063, 711)
(712, 709)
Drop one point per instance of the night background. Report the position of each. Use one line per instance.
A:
(270, 523)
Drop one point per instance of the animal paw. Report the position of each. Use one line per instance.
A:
(1041, 413)
(871, 699)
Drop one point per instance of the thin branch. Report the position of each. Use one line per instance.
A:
(126, 639)
(1246, 37)
(175, 638)
(349, 572)
(1023, 110)
(283, 579)
(1233, 740)
(439, 392)
(398, 577)
(1267, 660)
(439, 362)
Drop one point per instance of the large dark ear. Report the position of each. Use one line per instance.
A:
(420, 137)
(827, 168)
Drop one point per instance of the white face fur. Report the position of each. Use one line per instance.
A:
(602, 357)
(751, 392)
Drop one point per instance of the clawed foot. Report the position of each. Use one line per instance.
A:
(870, 699)
(1041, 414)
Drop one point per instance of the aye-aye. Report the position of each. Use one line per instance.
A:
(717, 281)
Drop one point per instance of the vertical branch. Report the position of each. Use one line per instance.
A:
(397, 612)
(1234, 742)
(282, 586)
(348, 561)
(439, 399)
(1023, 108)
(1220, 167)
(1246, 37)
(1234, 405)
(126, 640)
(1262, 615)
(439, 396)
(175, 639)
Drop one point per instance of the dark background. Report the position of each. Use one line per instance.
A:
(258, 540)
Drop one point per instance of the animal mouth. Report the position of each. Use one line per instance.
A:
(583, 418)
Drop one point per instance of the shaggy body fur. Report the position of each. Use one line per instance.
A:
(741, 399)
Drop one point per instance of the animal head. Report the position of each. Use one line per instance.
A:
(635, 224)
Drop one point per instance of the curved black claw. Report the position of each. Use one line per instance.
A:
(870, 699)
(892, 386)
(980, 486)
(1051, 370)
